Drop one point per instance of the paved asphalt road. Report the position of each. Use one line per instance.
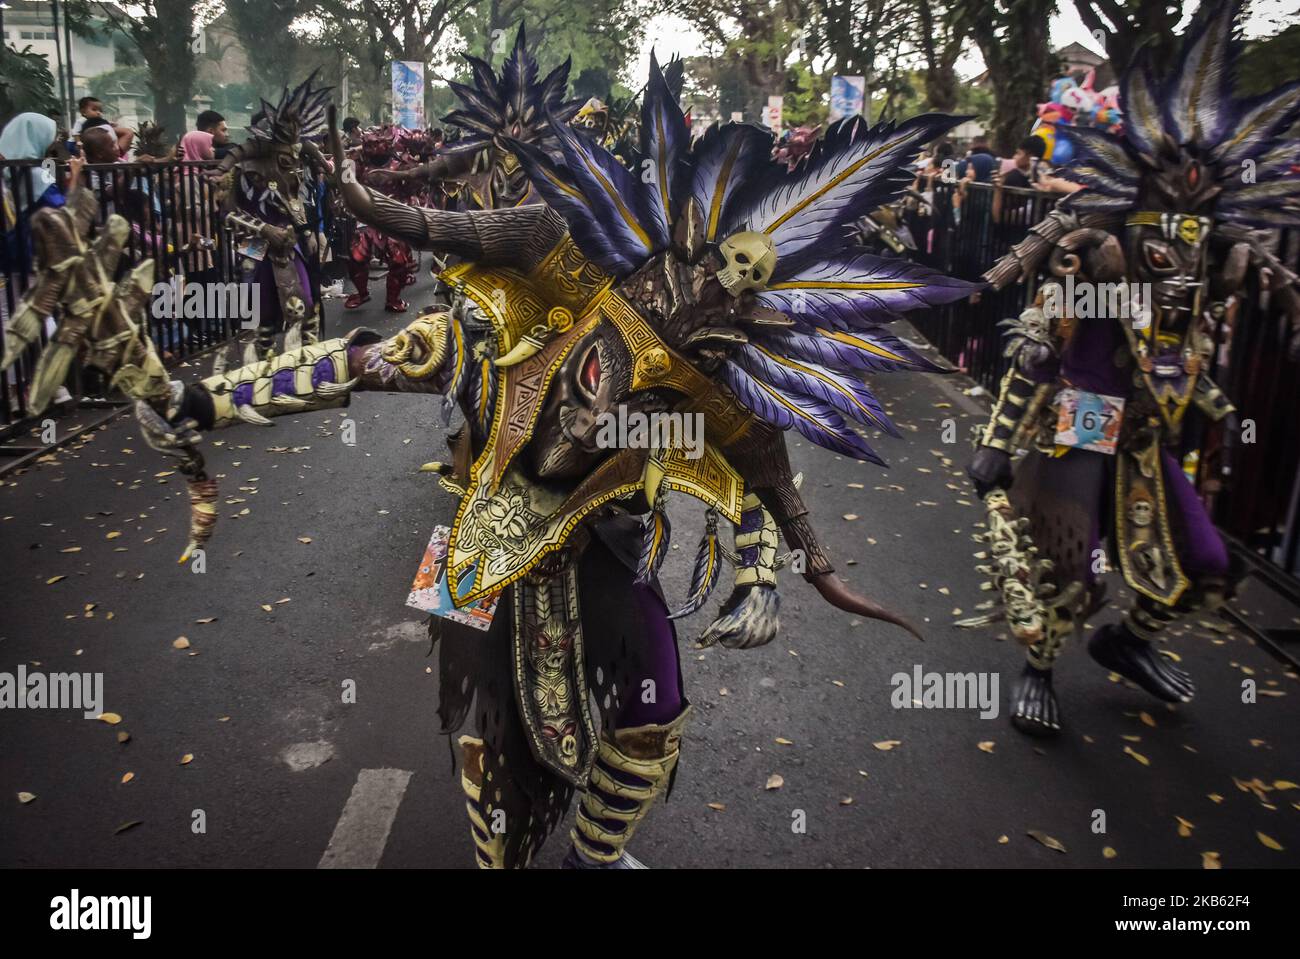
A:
(256, 699)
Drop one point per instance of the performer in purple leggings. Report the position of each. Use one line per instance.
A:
(1114, 353)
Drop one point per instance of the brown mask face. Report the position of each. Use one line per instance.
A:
(587, 386)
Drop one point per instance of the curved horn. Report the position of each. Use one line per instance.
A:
(761, 459)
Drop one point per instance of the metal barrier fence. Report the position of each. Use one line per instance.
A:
(172, 208)
(1261, 507)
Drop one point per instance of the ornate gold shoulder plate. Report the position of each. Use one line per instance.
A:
(563, 288)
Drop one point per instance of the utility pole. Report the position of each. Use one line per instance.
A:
(58, 57)
(67, 56)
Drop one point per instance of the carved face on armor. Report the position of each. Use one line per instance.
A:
(749, 259)
(551, 648)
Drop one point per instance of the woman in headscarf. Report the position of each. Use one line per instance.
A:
(197, 146)
(28, 136)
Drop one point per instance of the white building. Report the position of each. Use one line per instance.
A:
(30, 23)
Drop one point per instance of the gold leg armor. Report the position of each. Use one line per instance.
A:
(489, 845)
(632, 767)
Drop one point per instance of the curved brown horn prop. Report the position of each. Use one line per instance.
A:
(837, 592)
(761, 458)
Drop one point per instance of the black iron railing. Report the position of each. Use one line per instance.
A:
(173, 212)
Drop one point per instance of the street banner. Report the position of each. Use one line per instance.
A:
(408, 94)
(848, 96)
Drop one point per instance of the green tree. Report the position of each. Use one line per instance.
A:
(263, 30)
(162, 31)
(1013, 37)
(1126, 25)
(941, 35)
(26, 84)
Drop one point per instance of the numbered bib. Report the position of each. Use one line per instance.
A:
(1088, 421)
(431, 593)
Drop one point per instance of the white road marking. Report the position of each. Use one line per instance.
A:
(362, 831)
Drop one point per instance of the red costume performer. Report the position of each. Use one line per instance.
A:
(379, 150)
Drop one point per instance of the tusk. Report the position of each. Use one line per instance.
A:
(337, 389)
(250, 415)
(651, 479)
(526, 347)
(290, 404)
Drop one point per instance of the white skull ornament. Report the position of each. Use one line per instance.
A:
(750, 259)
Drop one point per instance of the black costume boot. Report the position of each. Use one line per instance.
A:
(1135, 658)
(1034, 709)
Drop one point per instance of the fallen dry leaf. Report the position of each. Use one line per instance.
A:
(1138, 756)
(774, 781)
(1268, 841)
(180, 642)
(782, 741)
(885, 745)
(986, 746)
(26, 797)
(187, 759)
(1048, 841)
(127, 778)
(1108, 852)
(1184, 827)
(111, 718)
(717, 806)
(1210, 860)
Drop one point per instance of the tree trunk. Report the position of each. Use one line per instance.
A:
(1017, 52)
(165, 40)
(941, 88)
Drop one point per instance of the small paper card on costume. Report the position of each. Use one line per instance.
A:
(1088, 421)
(254, 248)
(430, 592)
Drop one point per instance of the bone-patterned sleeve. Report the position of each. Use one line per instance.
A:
(324, 375)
